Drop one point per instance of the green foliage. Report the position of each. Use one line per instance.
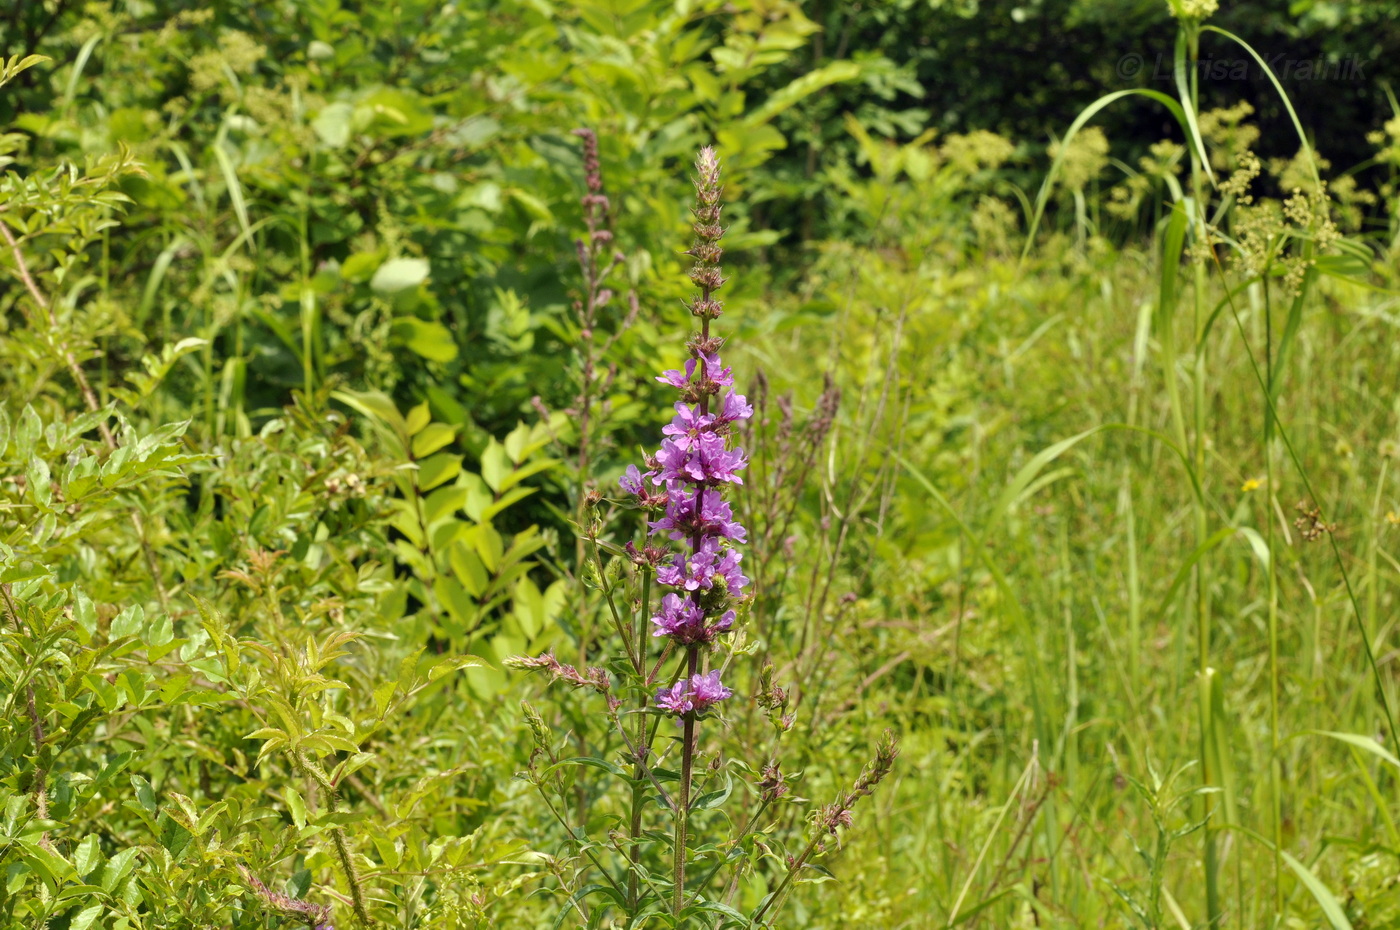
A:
(302, 391)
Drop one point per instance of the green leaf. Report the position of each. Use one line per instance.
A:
(590, 762)
(1362, 742)
(86, 917)
(495, 465)
(40, 481)
(332, 124)
(399, 274)
(85, 615)
(438, 469)
(87, 855)
(432, 438)
(805, 86)
(418, 418)
(427, 338)
(129, 622)
(466, 565)
(117, 868)
(1331, 907)
(295, 806)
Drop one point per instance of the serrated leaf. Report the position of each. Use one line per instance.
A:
(129, 622)
(117, 868)
(87, 855)
(86, 917)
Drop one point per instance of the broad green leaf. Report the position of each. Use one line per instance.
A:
(87, 855)
(427, 338)
(495, 465)
(398, 274)
(432, 438)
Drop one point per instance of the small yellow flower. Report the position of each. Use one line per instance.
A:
(1251, 485)
(1393, 518)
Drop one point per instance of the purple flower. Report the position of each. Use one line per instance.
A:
(707, 691)
(715, 371)
(705, 462)
(715, 518)
(698, 570)
(692, 571)
(683, 620)
(674, 377)
(675, 699)
(728, 568)
(631, 480)
(698, 694)
(687, 426)
(735, 407)
(716, 375)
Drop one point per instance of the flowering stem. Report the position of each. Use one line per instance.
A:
(691, 467)
(777, 896)
(748, 825)
(692, 659)
(640, 751)
(633, 655)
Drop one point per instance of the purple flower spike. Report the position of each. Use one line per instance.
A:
(691, 471)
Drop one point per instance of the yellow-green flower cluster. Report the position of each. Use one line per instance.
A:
(1388, 141)
(1193, 9)
(1230, 136)
(1160, 163)
(979, 150)
(1084, 158)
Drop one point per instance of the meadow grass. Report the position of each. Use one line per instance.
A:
(1054, 743)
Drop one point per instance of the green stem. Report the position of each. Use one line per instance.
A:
(638, 795)
(1275, 776)
(683, 800)
(342, 847)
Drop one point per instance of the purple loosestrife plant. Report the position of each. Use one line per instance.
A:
(693, 467)
(657, 705)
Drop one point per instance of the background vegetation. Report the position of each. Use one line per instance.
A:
(1073, 452)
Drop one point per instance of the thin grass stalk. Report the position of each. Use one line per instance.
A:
(1275, 775)
(1191, 31)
